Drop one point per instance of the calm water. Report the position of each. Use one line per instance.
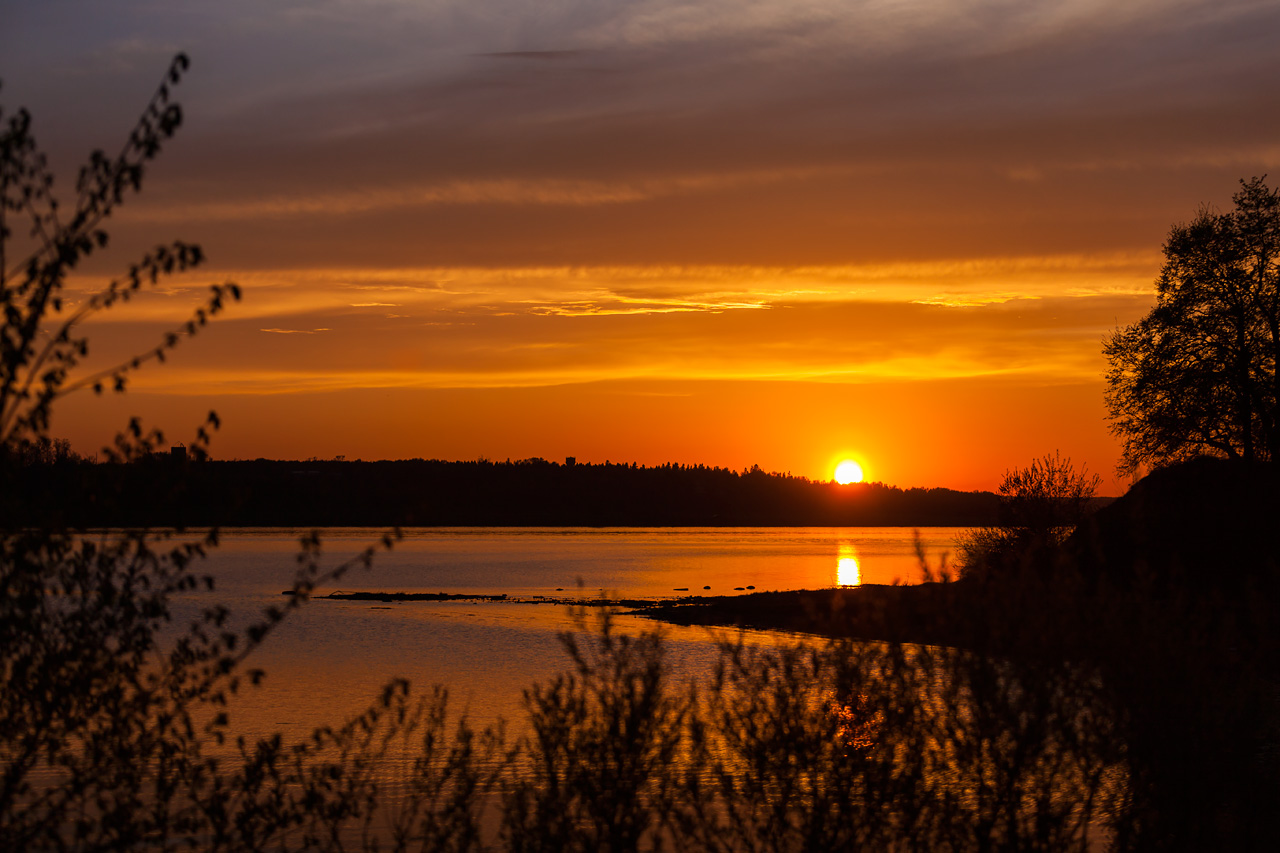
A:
(330, 659)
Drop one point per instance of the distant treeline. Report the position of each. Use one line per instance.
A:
(172, 490)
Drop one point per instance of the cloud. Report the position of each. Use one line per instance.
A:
(456, 294)
(482, 192)
(595, 191)
(669, 133)
(537, 55)
(971, 300)
(625, 306)
(1044, 340)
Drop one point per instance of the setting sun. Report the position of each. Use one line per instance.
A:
(847, 472)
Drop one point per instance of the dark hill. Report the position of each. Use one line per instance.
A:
(1206, 523)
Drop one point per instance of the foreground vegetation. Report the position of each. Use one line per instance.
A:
(806, 748)
(1064, 714)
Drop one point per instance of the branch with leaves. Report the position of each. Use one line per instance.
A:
(41, 345)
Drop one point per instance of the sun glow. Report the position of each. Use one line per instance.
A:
(847, 472)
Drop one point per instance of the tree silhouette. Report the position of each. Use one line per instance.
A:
(1198, 375)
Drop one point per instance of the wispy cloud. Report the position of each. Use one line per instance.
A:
(295, 331)
(497, 191)
(971, 300)
(453, 293)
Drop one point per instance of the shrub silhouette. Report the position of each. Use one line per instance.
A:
(594, 772)
(1040, 505)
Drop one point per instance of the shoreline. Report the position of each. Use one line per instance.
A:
(903, 613)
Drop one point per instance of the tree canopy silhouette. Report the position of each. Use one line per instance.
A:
(1198, 375)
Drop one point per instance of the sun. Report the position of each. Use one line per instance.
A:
(848, 471)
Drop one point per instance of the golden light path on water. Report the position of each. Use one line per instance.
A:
(848, 568)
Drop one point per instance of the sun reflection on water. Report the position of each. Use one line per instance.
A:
(848, 569)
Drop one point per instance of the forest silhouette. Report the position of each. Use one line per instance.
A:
(163, 489)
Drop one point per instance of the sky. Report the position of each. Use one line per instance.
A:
(771, 233)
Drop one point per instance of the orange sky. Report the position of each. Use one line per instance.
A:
(725, 232)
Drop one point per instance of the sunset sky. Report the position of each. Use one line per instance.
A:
(733, 233)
